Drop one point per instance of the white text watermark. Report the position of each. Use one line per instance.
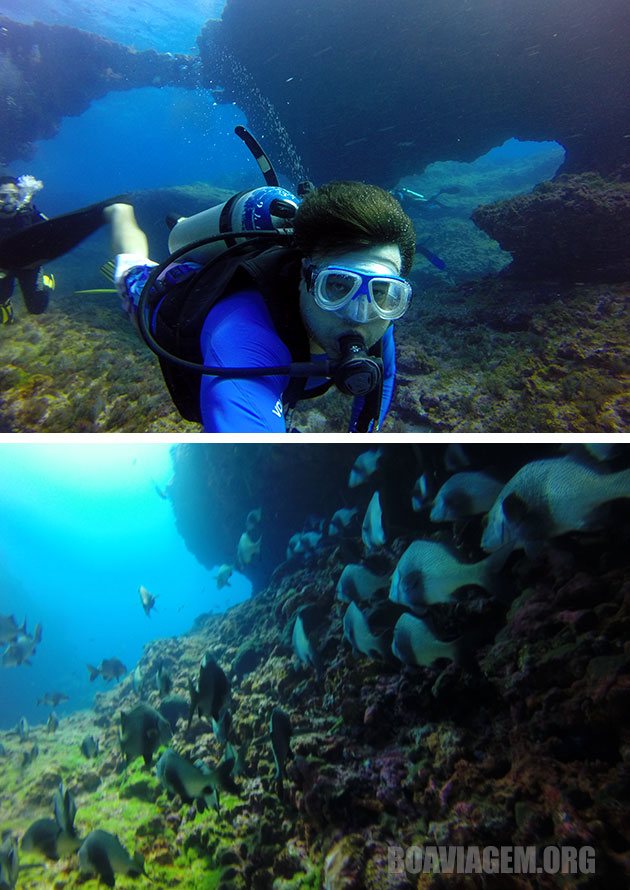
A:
(474, 860)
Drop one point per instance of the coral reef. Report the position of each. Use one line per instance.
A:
(501, 356)
(575, 228)
(530, 747)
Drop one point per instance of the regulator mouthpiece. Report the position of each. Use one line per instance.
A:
(357, 373)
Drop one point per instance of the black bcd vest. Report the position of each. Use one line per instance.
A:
(275, 273)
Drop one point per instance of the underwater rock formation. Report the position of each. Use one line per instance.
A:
(48, 72)
(575, 228)
(230, 480)
(526, 745)
(376, 90)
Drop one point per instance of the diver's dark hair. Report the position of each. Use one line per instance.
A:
(347, 215)
(5, 179)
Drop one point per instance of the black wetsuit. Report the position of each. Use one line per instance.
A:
(34, 291)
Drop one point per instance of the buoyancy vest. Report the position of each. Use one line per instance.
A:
(23, 219)
(275, 273)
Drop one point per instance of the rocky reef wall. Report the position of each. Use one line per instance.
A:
(48, 72)
(374, 91)
(576, 228)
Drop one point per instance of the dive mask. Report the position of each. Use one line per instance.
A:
(358, 296)
(14, 199)
(9, 202)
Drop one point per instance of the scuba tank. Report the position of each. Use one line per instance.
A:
(264, 209)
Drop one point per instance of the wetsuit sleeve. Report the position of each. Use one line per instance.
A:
(239, 332)
(389, 380)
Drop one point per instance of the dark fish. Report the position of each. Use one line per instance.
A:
(52, 698)
(465, 494)
(280, 732)
(41, 837)
(21, 651)
(23, 729)
(209, 695)
(342, 520)
(247, 549)
(302, 638)
(238, 756)
(9, 630)
(305, 544)
(222, 727)
(224, 573)
(548, 498)
(142, 731)
(429, 572)
(364, 466)
(252, 523)
(372, 533)
(29, 756)
(174, 707)
(194, 781)
(415, 643)
(9, 861)
(102, 854)
(89, 747)
(356, 583)
(108, 669)
(65, 808)
(52, 723)
(163, 681)
(147, 599)
(137, 679)
(366, 634)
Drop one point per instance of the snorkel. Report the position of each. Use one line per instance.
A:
(354, 372)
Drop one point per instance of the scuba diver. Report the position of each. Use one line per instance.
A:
(17, 212)
(410, 200)
(272, 298)
(28, 239)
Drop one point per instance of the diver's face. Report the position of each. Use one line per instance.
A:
(9, 199)
(326, 327)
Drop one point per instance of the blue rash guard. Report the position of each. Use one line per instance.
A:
(238, 332)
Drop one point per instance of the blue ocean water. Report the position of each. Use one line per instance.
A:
(143, 24)
(80, 529)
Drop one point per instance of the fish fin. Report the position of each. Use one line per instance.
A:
(224, 778)
(94, 672)
(433, 258)
(193, 701)
(107, 270)
(137, 867)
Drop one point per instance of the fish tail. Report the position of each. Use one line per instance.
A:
(94, 672)
(490, 571)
